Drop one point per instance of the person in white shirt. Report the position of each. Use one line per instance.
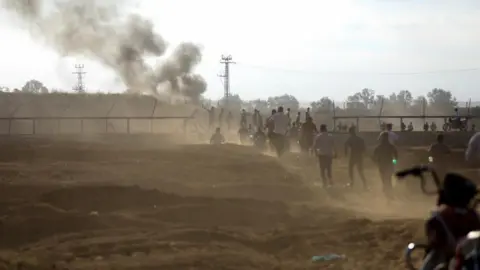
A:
(472, 155)
(280, 123)
(324, 147)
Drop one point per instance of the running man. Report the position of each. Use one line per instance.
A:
(308, 131)
(383, 155)
(439, 153)
(357, 148)
(280, 128)
(217, 137)
(392, 136)
(324, 147)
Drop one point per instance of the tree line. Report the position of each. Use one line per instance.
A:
(366, 101)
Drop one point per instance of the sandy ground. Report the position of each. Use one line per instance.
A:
(152, 203)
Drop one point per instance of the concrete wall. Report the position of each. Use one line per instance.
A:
(21, 105)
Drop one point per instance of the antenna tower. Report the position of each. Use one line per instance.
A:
(80, 86)
(226, 60)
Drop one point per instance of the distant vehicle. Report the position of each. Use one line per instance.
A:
(456, 124)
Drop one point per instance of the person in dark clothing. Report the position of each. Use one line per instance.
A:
(260, 139)
(307, 134)
(357, 148)
(297, 119)
(452, 221)
(439, 152)
(243, 118)
(384, 155)
(243, 134)
(211, 117)
(217, 137)
(270, 126)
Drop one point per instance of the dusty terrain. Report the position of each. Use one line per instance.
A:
(128, 202)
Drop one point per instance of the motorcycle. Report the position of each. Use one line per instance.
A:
(465, 249)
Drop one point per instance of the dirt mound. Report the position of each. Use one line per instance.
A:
(95, 205)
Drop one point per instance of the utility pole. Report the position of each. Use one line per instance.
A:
(80, 87)
(226, 61)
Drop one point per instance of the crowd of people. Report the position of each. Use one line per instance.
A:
(280, 132)
(448, 227)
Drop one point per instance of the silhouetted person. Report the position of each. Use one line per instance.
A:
(439, 152)
(270, 125)
(307, 134)
(243, 134)
(392, 136)
(307, 114)
(260, 139)
(383, 155)
(410, 127)
(280, 129)
(425, 126)
(297, 119)
(217, 137)
(433, 127)
(356, 146)
(403, 127)
(288, 115)
(255, 118)
(243, 118)
(324, 147)
(211, 117)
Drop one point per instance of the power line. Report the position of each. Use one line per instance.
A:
(80, 86)
(226, 61)
(360, 73)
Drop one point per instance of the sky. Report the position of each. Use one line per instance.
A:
(308, 48)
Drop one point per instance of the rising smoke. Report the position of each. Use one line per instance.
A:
(96, 29)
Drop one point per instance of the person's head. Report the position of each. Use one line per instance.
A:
(308, 109)
(213, 108)
(288, 109)
(217, 130)
(280, 109)
(274, 111)
(384, 137)
(323, 128)
(389, 127)
(294, 124)
(457, 191)
(298, 113)
(243, 110)
(440, 138)
(352, 130)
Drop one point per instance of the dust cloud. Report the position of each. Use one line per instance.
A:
(121, 41)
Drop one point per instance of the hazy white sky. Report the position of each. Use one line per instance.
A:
(309, 48)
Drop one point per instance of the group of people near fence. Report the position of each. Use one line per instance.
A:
(279, 132)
